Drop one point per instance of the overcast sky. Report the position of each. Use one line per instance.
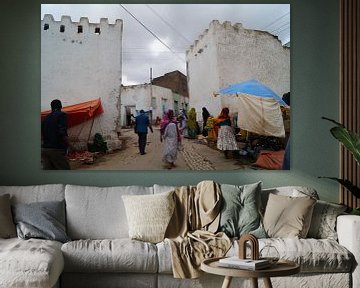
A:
(176, 25)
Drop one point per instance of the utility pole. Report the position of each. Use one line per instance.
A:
(151, 94)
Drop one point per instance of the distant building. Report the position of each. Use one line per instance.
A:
(155, 100)
(227, 54)
(175, 80)
(81, 61)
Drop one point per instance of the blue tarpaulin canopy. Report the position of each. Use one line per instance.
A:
(257, 106)
(254, 88)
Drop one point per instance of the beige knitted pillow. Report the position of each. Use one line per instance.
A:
(149, 215)
(288, 217)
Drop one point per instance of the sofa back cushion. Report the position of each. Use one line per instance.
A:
(34, 193)
(98, 213)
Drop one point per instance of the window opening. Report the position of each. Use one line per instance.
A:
(62, 28)
(46, 26)
(97, 30)
(80, 29)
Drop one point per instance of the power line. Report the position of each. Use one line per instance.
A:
(276, 20)
(168, 24)
(152, 33)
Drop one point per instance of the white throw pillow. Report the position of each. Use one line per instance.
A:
(149, 215)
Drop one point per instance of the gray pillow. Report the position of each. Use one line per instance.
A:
(240, 213)
(7, 226)
(323, 222)
(44, 220)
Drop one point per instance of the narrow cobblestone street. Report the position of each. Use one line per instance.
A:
(193, 155)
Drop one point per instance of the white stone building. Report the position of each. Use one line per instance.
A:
(227, 54)
(149, 98)
(81, 61)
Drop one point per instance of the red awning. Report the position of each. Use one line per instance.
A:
(79, 113)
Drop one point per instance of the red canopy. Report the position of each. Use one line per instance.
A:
(80, 112)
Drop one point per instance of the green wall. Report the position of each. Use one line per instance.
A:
(314, 93)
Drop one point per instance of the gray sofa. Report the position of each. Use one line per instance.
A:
(100, 253)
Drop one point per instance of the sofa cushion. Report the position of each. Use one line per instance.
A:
(7, 226)
(109, 280)
(313, 255)
(30, 263)
(323, 222)
(117, 255)
(163, 188)
(240, 212)
(44, 220)
(34, 193)
(148, 215)
(287, 216)
(98, 213)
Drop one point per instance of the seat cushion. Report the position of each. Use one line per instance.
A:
(117, 255)
(98, 213)
(313, 255)
(30, 263)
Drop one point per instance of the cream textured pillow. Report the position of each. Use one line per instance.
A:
(7, 226)
(288, 217)
(149, 215)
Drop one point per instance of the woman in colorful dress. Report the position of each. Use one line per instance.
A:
(226, 139)
(171, 138)
(191, 124)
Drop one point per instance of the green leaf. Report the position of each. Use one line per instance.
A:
(348, 185)
(349, 139)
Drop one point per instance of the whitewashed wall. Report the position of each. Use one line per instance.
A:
(226, 54)
(78, 67)
(139, 97)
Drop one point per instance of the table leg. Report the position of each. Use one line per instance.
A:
(227, 282)
(267, 283)
(254, 282)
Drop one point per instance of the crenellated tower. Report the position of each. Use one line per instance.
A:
(81, 61)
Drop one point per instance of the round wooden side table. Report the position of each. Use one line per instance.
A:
(281, 268)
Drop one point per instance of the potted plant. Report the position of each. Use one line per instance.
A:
(351, 141)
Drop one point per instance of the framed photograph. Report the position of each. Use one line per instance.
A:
(169, 87)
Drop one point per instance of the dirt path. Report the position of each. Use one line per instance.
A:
(130, 158)
(193, 155)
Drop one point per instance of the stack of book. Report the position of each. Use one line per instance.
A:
(248, 264)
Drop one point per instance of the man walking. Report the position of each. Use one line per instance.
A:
(55, 138)
(142, 123)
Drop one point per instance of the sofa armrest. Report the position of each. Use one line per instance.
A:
(348, 230)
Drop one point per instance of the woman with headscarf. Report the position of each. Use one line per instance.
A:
(205, 116)
(191, 124)
(165, 121)
(171, 137)
(182, 118)
(226, 139)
